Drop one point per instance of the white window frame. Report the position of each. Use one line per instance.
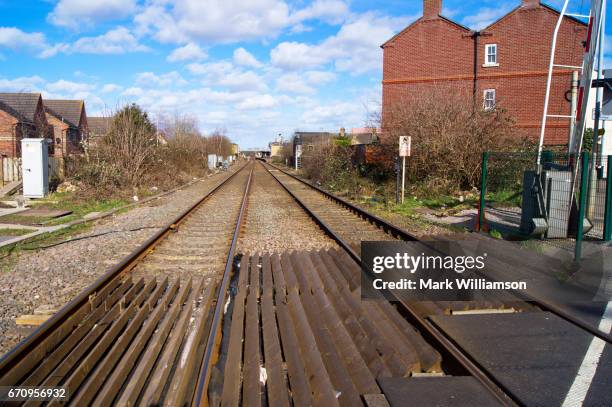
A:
(487, 53)
(485, 105)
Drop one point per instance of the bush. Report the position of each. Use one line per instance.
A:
(329, 164)
(448, 138)
(134, 154)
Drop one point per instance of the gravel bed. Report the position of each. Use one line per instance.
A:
(274, 221)
(49, 278)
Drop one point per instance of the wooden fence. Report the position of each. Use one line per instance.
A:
(11, 169)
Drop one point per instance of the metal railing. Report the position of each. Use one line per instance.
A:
(522, 200)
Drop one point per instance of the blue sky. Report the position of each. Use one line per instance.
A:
(255, 68)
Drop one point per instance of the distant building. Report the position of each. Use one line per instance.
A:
(364, 136)
(276, 148)
(22, 115)
(98, 127)
(304, 141)
(235, 149)
(69, 121)
(504, 64)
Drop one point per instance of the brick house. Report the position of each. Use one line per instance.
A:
(22, 115)
(98, 126)
(504, 64)
(69, 121)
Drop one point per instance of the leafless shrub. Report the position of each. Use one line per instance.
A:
(329, 164)
(448, 138)
(186, 150)
(135, 153)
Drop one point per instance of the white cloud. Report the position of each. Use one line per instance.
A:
(300, 28)
(225, 74)
(78, 13)
(214, 20)
(293, 83)
(22, 84)
(333, 115)
(189, 52)
(332, 11)
(355, 48)
(227, 21)
(303, 83)
(243, 81)
(68, 87)
(320, 77)
(116, 41)
(133, 91)
(15, 39)
(149, 79)
(258, 102)
(110, 88)
(245, 58)
(213, 69)
(486, 16)
(296, 55)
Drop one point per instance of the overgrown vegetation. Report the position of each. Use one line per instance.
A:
(448, 138)
(448, 135)
(136, 155)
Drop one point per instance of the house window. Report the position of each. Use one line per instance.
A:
(491, 55)
(489, 99)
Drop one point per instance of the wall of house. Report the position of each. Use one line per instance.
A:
(59, 130)
(524, 39)
(431, 53)
(434, 53)
(7, 133)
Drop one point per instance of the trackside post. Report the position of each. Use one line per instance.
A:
(584, 185)
(483, 191)
(608, 208)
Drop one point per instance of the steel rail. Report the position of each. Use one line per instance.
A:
(11, 358)
(449, 350)
(213, 342)
(404, 235)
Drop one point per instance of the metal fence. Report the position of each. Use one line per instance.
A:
(522, 200)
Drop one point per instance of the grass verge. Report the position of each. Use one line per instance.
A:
(9, 254)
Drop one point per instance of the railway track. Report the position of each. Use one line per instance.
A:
(349, 225)
(140, 333)
(188, 319)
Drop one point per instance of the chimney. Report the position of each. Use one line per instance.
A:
(432, 8)
(530, 3)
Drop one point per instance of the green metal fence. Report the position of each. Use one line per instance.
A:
(522, 200)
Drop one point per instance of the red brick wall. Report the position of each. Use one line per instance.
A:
(438, 53)
(7, 133)
(59, 134)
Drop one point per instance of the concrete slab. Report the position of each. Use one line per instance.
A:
(46, 213)
(447, 391)
(11, 211)
(534, 355)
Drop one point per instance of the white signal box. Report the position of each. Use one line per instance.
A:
(35, 167)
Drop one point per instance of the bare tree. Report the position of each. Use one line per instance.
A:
(448, 137)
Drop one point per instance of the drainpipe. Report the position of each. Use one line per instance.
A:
(475, 35)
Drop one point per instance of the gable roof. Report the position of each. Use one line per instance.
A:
(98, 125)
(22, 105)
(543, 6)
(441, 17)
(69, 111)
(312, 136)
(448, 20)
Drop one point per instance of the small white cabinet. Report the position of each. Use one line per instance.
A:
(35, 167)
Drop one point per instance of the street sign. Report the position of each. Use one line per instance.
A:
(405, 143)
